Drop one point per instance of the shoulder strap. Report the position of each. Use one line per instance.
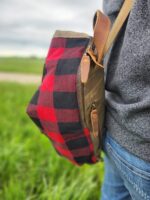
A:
(101, 26)
(103, 36)
(126, 8)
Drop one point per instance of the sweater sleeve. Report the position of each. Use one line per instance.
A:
(148, 5)
(111, 7)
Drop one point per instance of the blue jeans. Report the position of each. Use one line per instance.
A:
(126, 176)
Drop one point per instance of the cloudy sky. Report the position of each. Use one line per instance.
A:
(26, 26)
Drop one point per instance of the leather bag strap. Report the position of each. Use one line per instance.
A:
(103, 36)
(101, 26)
(123, 14)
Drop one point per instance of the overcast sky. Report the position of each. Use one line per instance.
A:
(26, 26)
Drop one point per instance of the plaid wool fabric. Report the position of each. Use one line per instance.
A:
(54, 107)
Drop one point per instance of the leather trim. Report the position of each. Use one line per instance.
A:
(70, 34)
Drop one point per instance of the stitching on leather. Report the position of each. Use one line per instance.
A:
(141, 192)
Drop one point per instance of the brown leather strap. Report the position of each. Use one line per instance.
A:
(101, 32)
(124, 12)
(103, 37)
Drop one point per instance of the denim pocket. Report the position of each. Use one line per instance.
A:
(132, 167)
(137, 178)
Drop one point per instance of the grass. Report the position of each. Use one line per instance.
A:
(22, 64)
(30, 169)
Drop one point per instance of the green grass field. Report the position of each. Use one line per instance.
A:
(24, 65)
(30, 169)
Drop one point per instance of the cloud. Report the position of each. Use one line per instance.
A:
(27, 26)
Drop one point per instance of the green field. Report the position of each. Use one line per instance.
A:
(22, 64)
(30, 169)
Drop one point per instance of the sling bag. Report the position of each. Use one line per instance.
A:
(69, 104)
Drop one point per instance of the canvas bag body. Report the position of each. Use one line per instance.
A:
(91, 99)
(68, 106)
(61, 106)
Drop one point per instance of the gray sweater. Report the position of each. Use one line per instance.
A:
(127, 81)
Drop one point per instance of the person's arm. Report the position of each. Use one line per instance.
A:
(112, 7)
(148, 5)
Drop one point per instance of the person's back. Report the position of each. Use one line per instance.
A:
(127, 120)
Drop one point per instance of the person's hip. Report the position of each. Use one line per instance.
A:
(133, 169)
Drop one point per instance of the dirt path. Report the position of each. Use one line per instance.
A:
(20, 78)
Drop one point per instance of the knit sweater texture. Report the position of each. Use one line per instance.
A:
(127, 79)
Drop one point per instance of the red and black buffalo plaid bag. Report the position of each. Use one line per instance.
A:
(68, 106)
